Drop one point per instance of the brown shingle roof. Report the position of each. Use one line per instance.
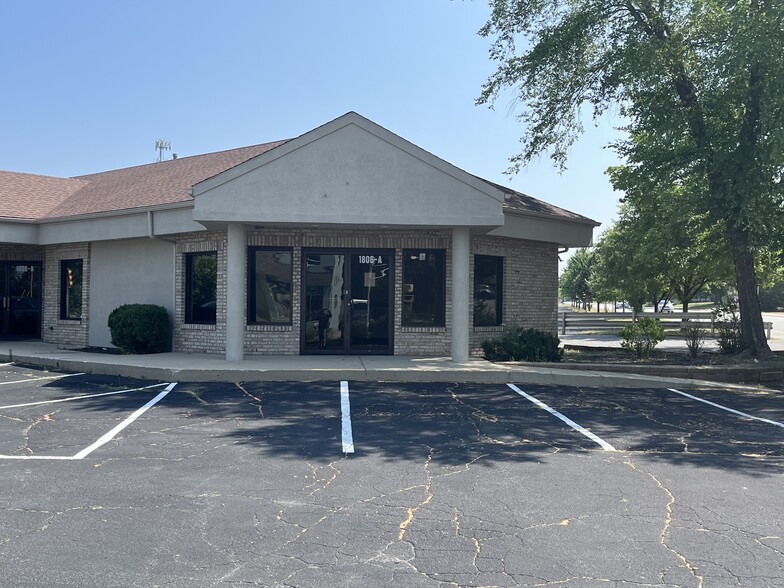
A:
(34, 197)
(518, 202)
(153, 184)
(30, 196)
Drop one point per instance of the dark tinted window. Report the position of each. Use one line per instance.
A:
(488, 290)
(71, 289)
(269, 286)
(424, 287)
(201, 287)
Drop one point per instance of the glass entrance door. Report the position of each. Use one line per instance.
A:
(347, 302)
(20, 294)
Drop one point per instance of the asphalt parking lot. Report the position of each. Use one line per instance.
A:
(114, 482)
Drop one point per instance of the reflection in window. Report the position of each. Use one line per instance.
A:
(71, 289)
(424, 287)
(201, 287)
(488, 290)
(269, 286)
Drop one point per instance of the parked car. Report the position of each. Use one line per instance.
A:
(664, 306)
(623, 305)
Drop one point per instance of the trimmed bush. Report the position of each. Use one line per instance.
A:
(140, 328)
(518, 344)
(642, 336)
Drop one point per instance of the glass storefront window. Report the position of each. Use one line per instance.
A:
(201, 287)
(269, 286)
(424, 287)
(488, 290)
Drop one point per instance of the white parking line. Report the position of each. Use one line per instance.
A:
(136, 414)
(81, 397)
(58, 377)
(606, 446)
(345, 412)
(108, 436)
(728, 409)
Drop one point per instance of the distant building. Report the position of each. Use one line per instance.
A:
(345, 240)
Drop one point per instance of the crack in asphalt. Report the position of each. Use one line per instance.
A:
(320, 483)
(428, 496)
(48, 417)
(668, 519)
(256, 398)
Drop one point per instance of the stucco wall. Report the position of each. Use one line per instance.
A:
(349, 176)
(128, 272)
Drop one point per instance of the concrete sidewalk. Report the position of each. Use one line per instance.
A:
(382, 368)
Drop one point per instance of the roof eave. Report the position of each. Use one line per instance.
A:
(584, 221)
(119, 212)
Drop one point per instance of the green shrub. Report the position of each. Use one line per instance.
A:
(642, 336)
(519, 344)
(140, 328)
(729, 337)
(694, 334)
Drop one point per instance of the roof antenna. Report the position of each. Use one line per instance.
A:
(161, 146)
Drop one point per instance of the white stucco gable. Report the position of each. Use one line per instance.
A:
(349, 172)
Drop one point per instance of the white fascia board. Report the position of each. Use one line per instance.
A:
(562, 231)
(18, 232)
(167, 220)
(333, 126)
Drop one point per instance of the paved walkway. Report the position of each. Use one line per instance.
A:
(177, 366)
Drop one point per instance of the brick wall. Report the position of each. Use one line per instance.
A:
(73, 333)
(197, 337)
(530, 287)
(21, 253)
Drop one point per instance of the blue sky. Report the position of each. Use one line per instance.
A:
(90, 85)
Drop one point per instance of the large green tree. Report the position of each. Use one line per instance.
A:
(575, 282)
(677, 250)
(626, 263)
(701, 83)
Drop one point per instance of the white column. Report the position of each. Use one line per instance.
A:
(235, 292)
(460, 293)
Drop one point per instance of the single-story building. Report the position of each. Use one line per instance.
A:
(345, 240)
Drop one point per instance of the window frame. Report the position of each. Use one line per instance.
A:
(251, 286)
(499, 289)
(440, 311)
(64, 265)
(188, 287)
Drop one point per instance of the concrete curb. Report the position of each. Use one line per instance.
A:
(476, 372)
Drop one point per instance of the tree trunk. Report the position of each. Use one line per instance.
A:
(751, 325)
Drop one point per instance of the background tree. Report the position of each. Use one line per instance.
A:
(689, 249)
(627, 263)
(575, 282)
(701, 82)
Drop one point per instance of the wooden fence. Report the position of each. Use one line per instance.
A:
(612, 322)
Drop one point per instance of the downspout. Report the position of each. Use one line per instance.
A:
(151, 230)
